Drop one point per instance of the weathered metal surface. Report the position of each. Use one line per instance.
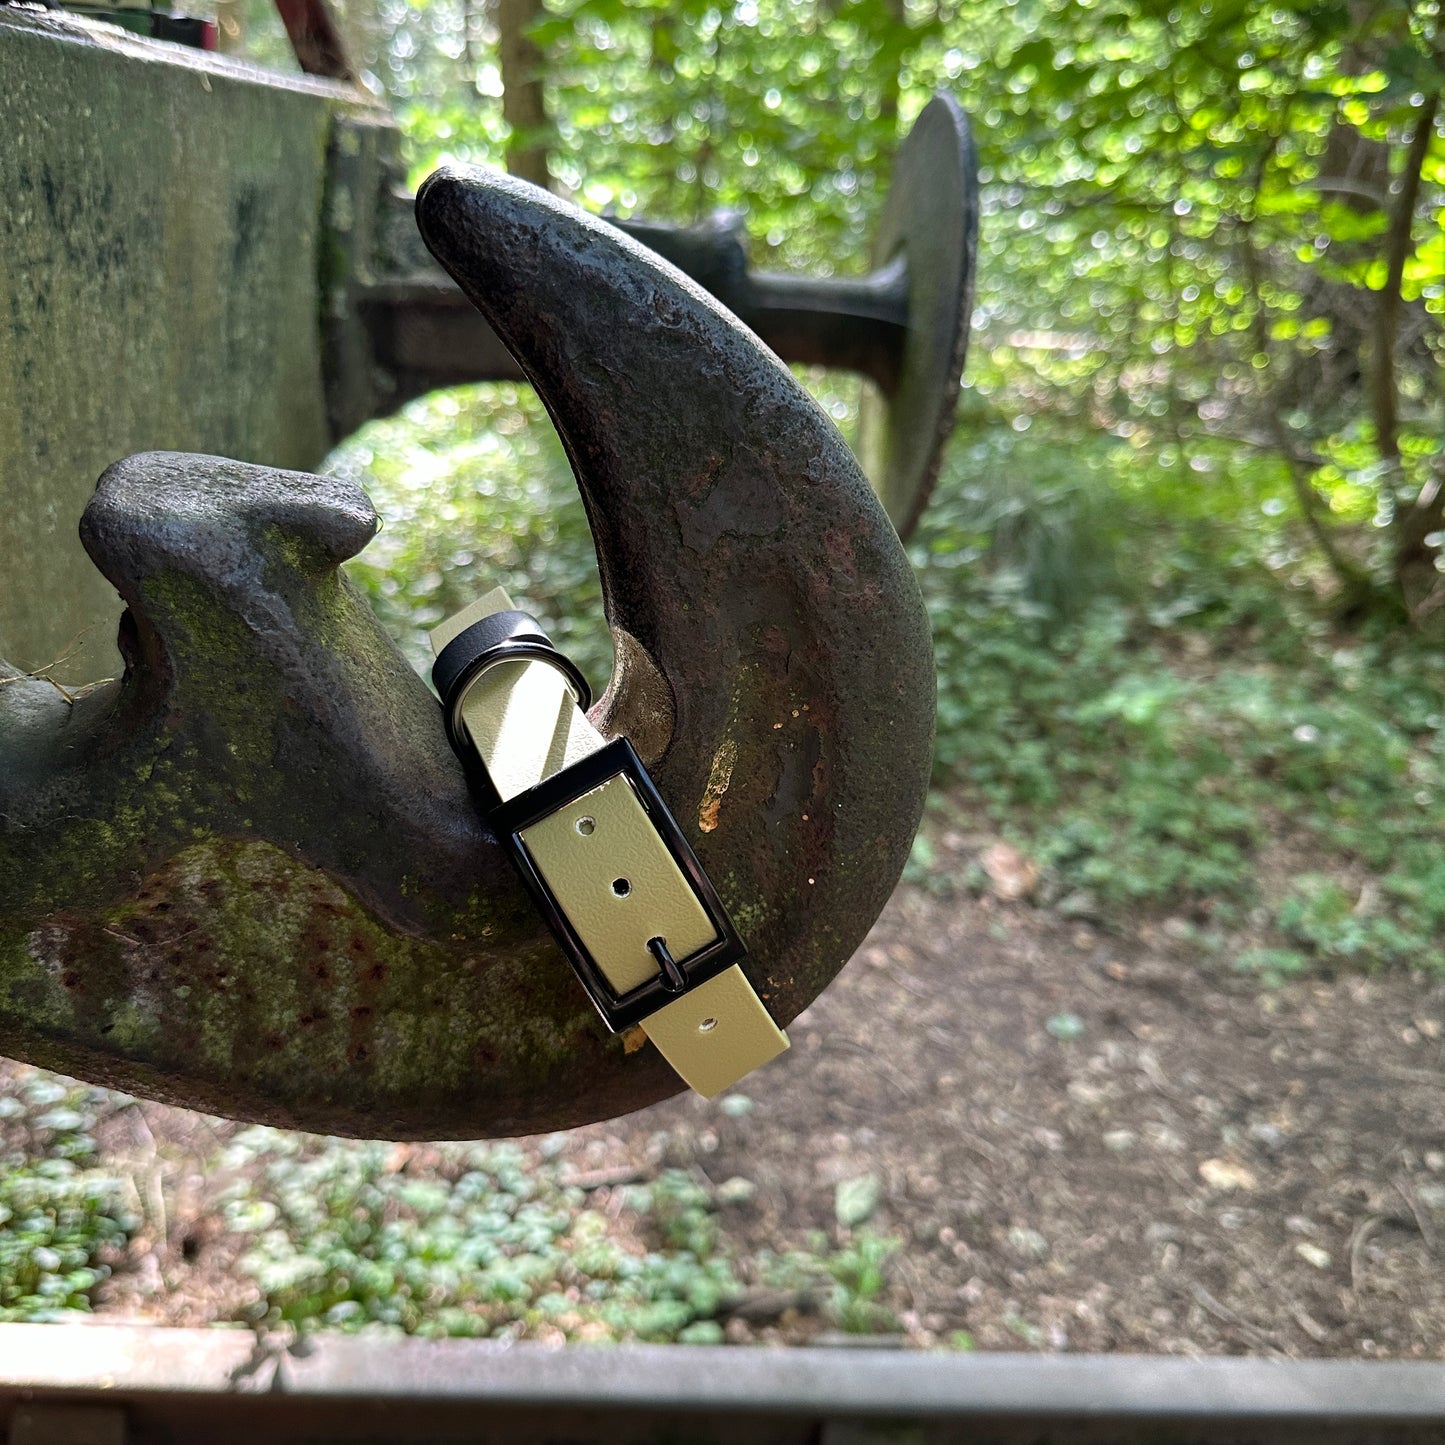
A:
(159, 233)
(218, 1386)
(247, 877)
(931, 223)
(904, 326)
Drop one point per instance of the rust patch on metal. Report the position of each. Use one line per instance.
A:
(718, 782)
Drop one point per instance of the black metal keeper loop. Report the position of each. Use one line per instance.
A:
(500, 637)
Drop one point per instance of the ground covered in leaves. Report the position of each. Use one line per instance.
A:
(999, 1129)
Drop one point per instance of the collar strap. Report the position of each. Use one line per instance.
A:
(602, 856)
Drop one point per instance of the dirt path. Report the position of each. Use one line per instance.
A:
(1206, 1167)
(1083, 1142)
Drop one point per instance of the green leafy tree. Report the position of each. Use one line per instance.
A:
(1225, 244)
(1212, 231)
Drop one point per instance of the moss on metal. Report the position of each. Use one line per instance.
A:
(188, 969)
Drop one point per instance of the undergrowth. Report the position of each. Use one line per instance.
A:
(489, 1242)
(1150, 714)
(481, 1240)
(63, 1220)
(475, 492)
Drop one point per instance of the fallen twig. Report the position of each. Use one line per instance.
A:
(1251, 1333)
(1422, 1218)
(610, 1177)
(1366, 1229)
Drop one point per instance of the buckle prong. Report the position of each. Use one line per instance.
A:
(674, 979)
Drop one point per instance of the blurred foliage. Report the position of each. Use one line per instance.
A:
(487, 1241)
(859, 1273)
(1206, 229)
(479, 1246)
(63, 1221)
(476, 493)
(1134, 699)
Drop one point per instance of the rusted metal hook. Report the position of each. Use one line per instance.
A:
(248, 877)
(904, 326)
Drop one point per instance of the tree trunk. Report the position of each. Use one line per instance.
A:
(1399, 242)
(524, 103)
(1424, 516)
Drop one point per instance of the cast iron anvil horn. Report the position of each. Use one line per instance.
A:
(248, 877)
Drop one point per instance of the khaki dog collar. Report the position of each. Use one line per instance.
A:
(598, 849)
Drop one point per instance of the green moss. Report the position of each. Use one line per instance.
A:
(236, 963)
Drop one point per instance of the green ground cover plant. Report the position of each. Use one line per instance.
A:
(476, 1240)
(1154, 715)
(63, 1219)
(492, 1242)
(483, 1245)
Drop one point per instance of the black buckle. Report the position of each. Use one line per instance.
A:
(675, 976)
